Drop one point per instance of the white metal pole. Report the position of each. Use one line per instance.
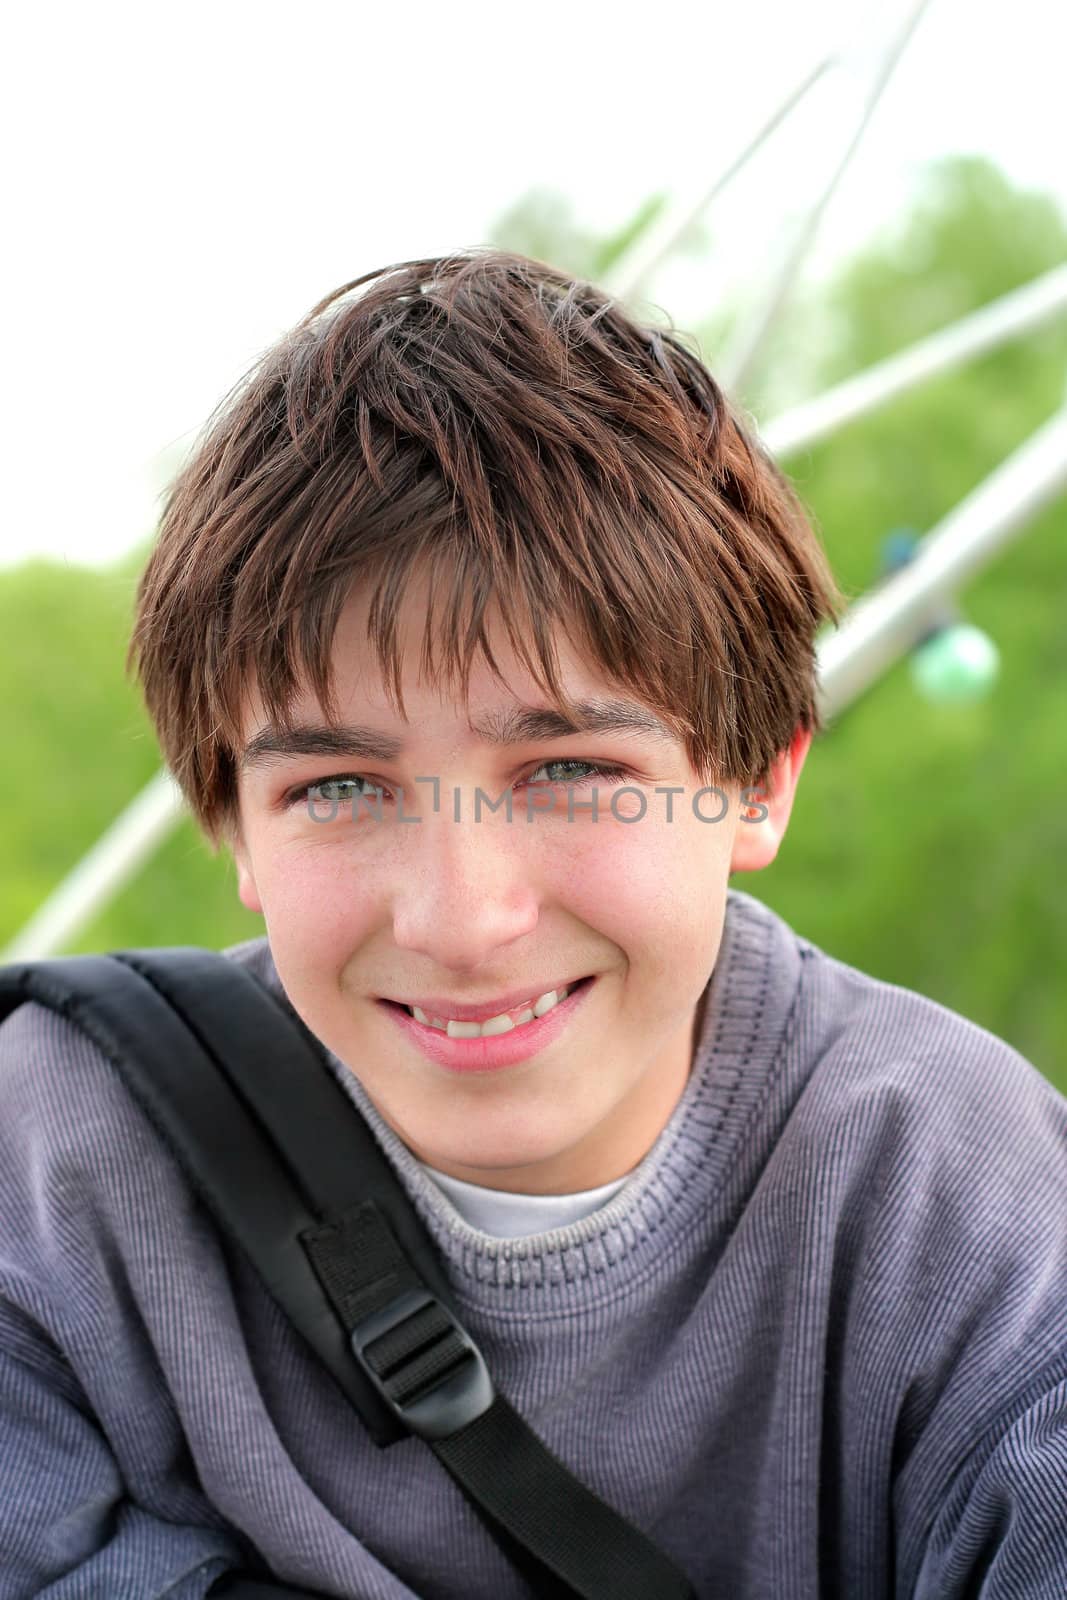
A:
(131, 839)
(887, 623)
(633, 270)
(740, 356)
(1013, 314)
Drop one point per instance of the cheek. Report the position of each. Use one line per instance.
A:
(317, 910)
(650, 886)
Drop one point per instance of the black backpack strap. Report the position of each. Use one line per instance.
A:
(240, 1090)
(170, 1064)
(235, 1586)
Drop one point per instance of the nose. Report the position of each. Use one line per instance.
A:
(464, 890)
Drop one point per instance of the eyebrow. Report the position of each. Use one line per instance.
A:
(516, 725)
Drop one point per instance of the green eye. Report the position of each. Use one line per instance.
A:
(315, 793)
(611, 774)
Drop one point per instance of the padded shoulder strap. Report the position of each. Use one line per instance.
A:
(198, 1042)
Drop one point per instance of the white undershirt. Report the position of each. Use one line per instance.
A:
(513, 1216)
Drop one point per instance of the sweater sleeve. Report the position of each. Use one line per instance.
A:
(66, 1526)
(72, 1522)
(1001, 1532)
(954, 1319)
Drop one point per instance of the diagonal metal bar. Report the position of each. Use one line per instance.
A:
(887, 623)
(633, 270)
(747, 344)
(1021, 311)
(103, 871)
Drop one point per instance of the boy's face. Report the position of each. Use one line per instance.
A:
(361, 910)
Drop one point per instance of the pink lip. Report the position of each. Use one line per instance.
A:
(434, 1006)
(500, 1050)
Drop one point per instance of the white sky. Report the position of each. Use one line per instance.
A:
(185, 182)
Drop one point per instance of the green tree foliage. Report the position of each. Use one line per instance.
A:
(926, 843)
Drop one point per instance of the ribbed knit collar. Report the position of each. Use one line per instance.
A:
(751, 995)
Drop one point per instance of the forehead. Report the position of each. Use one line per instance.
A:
(506, 707)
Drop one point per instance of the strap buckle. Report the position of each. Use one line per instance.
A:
(426, 1368)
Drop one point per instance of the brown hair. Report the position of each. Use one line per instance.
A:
(531, 442)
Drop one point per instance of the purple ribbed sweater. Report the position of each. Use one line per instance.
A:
(816, 1346)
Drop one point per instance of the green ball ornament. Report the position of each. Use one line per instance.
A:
(959, 664)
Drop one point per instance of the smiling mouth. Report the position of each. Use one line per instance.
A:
(515, 1020)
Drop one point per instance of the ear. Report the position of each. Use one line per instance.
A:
(247, 892)
(765, 816)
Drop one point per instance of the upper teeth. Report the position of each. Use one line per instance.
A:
(499, 1024)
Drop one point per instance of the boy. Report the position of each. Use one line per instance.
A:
(482, 633)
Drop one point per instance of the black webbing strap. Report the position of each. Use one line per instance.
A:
(240, 1090)
(173, 1034)
(526, 1491)
(429, 1367)
(235, 1586)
